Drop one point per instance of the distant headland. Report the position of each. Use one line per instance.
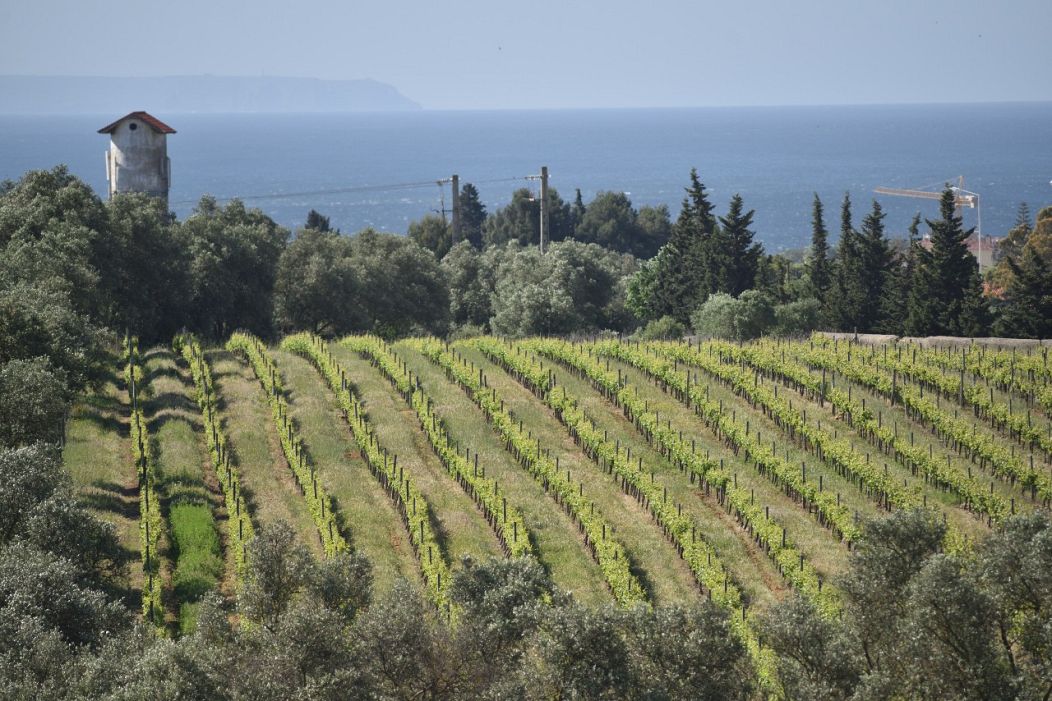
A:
(196, 93)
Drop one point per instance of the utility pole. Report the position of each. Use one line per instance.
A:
(543, 177)
(544, 207)
(456, 209)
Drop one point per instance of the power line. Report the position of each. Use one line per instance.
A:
(343, 190)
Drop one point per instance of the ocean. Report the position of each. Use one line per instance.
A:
(380, 169)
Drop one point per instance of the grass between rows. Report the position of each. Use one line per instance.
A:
(559, 545)
(366, 514)
(268, 484)
(460, 526)
(190, 503)
(97, 454)
(655, 561)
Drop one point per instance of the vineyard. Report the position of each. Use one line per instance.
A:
(634, 473)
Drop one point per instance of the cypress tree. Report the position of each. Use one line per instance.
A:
(472, 215)
(739, 256)
(948, 295)
(848, 301)
(1027, 309)
(876, 265)
(895, 301)
(818, 266)
(577, 211)
(684, 276)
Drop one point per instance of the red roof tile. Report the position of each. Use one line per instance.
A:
(155, 124)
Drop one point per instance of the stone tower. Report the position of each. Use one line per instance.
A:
(138, 157)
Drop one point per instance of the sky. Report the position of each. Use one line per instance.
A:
(543, 54)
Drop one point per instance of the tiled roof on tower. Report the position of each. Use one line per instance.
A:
(145, 117)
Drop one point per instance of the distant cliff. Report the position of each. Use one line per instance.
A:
(195, 93)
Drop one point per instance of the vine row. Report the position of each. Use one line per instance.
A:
(765, 531)
(318, 501)
(680, 529)
(239, 522)
(151, 522)
(412, 506)
(506, 520)
(607, 551)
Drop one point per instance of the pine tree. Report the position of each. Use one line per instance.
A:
(848, 300)
(684, 277)
(472, 215)
(739, 256)
(948, 295)
(895, 300)
(818, 265)
(317, 221)
(1027, 310)
(876, 263)
(577, 211)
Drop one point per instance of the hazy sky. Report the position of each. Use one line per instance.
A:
(574, 53)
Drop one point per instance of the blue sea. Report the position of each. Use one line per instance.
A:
(380, 170)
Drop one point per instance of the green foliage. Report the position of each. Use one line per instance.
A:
(797, 318)
(33, 402)
(819, 275)
(234, 255)
(318, 222)
(735, 257)
(817, 657)
(723, 316)
(574, 287)
(607, 551)
(665, 328)
(316, 287)
(683, 275)
(507, 520)
(239, 526)
(947, 294)
(39, 510)
(151, 523)
(37, 323)
(402, 288)
(918, 623)
(611, 222)
(198, 559)
(144, 269)
(472, 216)
(472, 277)
(433, 233)
(519, 221)
(410, 501)
(1026, 311)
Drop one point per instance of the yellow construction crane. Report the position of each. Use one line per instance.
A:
(961, 198)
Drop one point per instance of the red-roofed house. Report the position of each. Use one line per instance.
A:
(984, 253)
(138, 157)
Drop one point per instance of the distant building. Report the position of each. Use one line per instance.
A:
(984, 253)
(138, 157)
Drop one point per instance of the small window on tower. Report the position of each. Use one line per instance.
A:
(133, 126)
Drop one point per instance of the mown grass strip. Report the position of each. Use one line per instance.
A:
(987, 449)
(505, 519)
(195, 548)
(318, 501)
(681, 530)
(770, 360)
(771, 536)
(151, 522)
(239, 522)
(412, 506)
(608, 552)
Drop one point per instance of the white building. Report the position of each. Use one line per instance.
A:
(138, 157)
